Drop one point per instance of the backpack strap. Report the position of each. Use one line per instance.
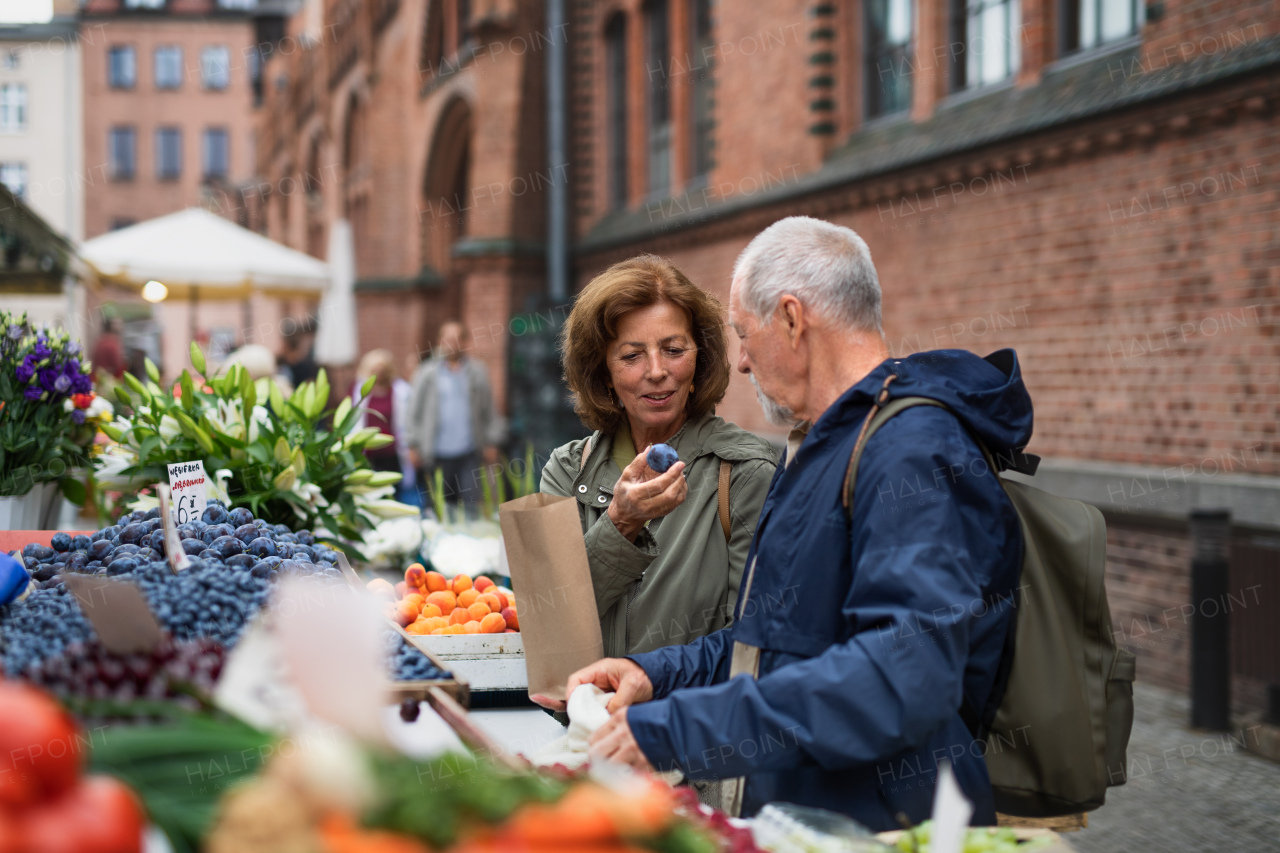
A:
(723, 495)
(882, 411)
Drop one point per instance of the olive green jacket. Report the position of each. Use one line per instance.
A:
(679, 580)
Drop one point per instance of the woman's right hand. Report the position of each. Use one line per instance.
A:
(642, 494)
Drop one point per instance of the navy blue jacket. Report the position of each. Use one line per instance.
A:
(873, 630)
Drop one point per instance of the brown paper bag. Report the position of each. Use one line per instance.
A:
(552, 581)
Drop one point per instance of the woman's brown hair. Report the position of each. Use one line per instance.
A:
(638, 283)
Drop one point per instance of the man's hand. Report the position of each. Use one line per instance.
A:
(624, 678)
(642, 494)
(415, 458)
(614, 741)
(490, 455)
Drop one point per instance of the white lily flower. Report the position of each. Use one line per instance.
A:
(110, 465)
(100, 408)
(169, 428)
(143, 503)
(218, 485)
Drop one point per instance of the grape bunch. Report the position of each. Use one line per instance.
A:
(408, 663)
(171, 672)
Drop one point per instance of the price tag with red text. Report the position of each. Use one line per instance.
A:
(189, 490)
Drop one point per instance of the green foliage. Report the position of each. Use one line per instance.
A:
(42, 435)
(289, 461)
(431, 800)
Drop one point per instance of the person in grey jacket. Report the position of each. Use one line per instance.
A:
(646, 360)
(452, 425)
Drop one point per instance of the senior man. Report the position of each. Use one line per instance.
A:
(863, 638)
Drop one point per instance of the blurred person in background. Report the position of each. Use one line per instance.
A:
(298, 361)
(108, 351)
(385, 408)
(452, 426)
(260, 362)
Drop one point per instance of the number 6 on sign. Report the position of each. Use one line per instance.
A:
(189, 487)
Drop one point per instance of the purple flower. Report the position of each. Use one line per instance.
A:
(49, 377)
(81, 384)
(33, 392)
(77, 415)
(42, 351)
(62, 384)
(74, 348)
(72, 366)
(15, 331)
(27, 369)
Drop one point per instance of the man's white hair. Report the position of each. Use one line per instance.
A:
(827, 267)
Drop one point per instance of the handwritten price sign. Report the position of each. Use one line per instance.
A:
(189, 488)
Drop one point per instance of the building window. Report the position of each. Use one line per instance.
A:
(615, 60)
(9, 59)
(217, 154)
(168, 67)
(887, 28)
(657, 57)
(168, 153)
(121, 150)
(215, 67)
(990, 31)
(14, 176)
(13, 107)
(1089, 23)
(703, 124)
(144, 4)
(242, 5)
(121, 69)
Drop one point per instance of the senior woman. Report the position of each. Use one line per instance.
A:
(646, 360)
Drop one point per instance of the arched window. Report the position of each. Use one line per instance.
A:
(432, 41)
(351, 138)
(657, 63)
(615, 109)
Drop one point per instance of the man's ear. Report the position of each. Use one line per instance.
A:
(791, 315)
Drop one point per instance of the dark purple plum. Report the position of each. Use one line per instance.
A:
(262, 547)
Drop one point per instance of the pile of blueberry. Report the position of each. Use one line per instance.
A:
(234, 558)
(409, 664)
(167, 673)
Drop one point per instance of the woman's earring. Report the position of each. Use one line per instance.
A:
(690, 389)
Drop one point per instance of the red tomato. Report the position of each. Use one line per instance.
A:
(100, 815)
(41, 749)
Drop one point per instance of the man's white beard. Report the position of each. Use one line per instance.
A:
(776, 414)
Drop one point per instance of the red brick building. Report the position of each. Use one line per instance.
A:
(1092, 182)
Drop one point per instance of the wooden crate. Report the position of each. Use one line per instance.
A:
(485, 661)
(457, 687)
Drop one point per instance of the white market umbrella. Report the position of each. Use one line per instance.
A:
(336, 337)
(196, 253)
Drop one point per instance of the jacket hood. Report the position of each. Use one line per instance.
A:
(986, 393)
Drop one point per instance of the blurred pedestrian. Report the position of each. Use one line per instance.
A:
(452, 424)
(108, 351)
(384, 408)
(298, 361)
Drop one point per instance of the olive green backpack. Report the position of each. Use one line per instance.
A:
(1057, 740)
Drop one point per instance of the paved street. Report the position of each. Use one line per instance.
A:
(1187, 791)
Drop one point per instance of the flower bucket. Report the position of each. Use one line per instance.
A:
(36, 510)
